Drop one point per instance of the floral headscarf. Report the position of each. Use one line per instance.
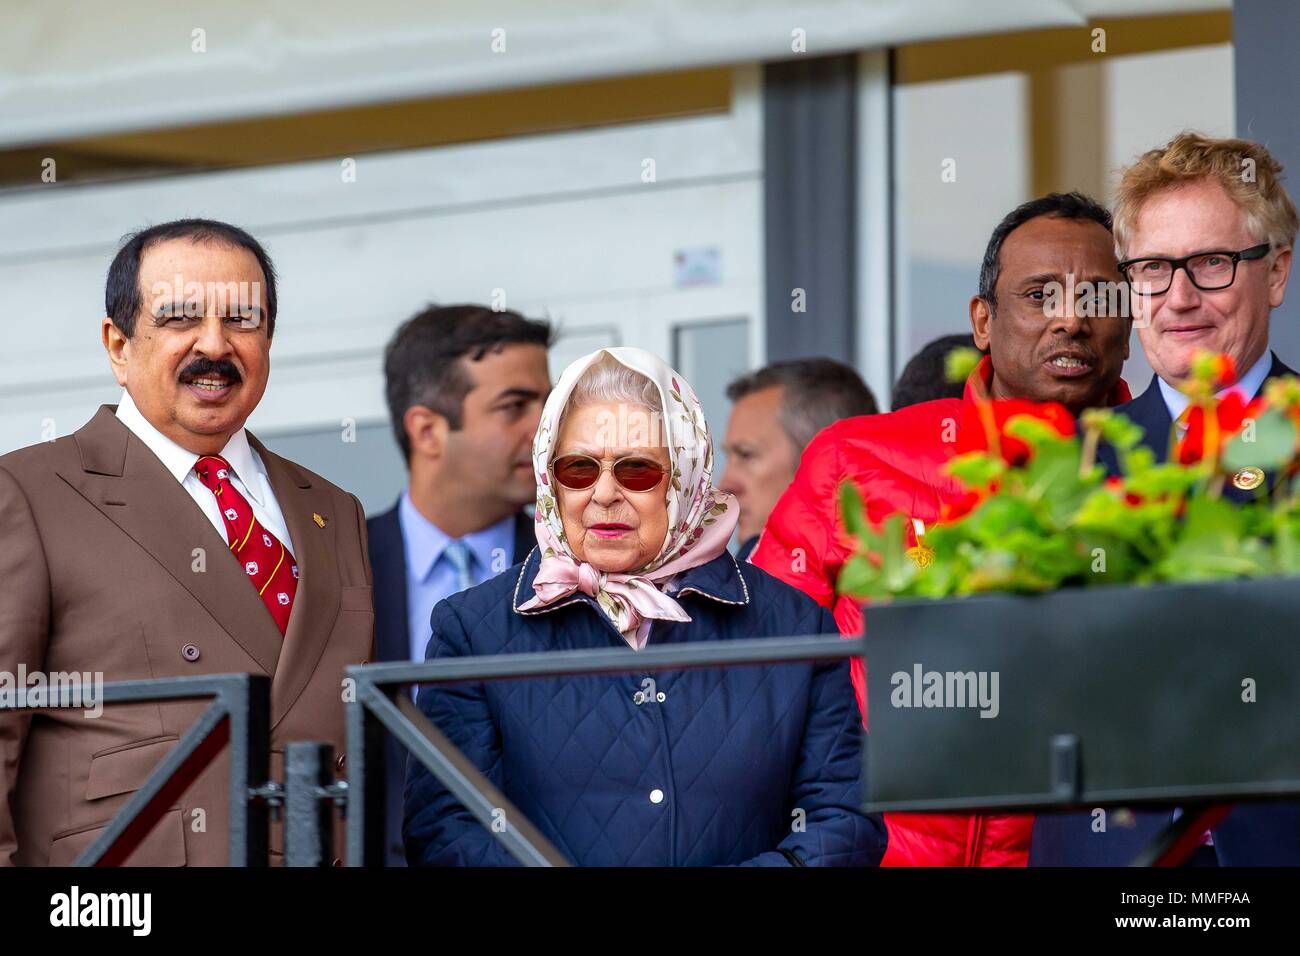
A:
(700, 517)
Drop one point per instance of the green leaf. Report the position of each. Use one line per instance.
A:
(976, 469)
(1210, 545)
(853, 510)
(959, 363)
(897, 567)
(1268, 442)
(1121, 432)
(1286, 544)
(859, 578)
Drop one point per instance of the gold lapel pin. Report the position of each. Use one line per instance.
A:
(318, 519)
(1248, 478)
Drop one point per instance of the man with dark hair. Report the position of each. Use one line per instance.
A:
(162, 539)
(776, 412)
(465, 388)
(924, 378)
(1036, 318)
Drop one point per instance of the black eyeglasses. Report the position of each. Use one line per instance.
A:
(583, 471)
(1207, 270)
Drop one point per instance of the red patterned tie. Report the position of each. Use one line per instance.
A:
(267, 562)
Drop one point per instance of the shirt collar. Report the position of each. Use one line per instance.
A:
(424, 541)
(180, 461)
(1247, 386)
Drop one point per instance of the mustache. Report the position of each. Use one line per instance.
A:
(203, 367)
(1074, 348)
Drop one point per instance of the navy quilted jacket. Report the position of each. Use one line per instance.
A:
(757, 764)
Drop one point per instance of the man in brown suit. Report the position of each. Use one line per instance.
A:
(161, 540)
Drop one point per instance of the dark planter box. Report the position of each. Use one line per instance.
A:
(1147, 681)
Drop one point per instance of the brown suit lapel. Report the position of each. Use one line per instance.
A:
(122, 478)
(316, 605)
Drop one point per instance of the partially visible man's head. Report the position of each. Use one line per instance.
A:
(777, 412)
(190, 309)
(924, 378)
(1191, 197)
(1048, 270)
(465, 388)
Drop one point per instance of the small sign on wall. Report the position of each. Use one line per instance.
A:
(699, 266)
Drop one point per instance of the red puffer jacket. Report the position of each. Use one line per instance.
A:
(895, 461)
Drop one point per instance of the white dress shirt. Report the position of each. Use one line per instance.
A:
(247, 473)
(1247, 386)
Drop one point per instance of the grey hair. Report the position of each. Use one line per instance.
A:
(609, 380)
(816, 392)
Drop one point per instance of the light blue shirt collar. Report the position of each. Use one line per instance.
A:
(1248, 385)
(425, 542)
(430, 580)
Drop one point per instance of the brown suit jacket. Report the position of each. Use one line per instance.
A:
(99, 572)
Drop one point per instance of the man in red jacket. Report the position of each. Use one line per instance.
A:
(1050, 332)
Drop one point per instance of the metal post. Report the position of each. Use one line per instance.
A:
(249, 705)
(367, 774)
(308, 808)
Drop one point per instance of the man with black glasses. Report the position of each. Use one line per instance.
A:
(1205, 229)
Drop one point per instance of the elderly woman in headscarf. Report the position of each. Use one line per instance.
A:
(756, 764)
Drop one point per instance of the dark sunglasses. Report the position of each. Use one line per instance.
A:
(582, 471)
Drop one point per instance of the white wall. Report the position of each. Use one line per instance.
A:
(975, 131)
(562, 223)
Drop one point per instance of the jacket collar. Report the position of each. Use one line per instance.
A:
(131, 486)
(388, 564)
(719, 580)
(981, 382)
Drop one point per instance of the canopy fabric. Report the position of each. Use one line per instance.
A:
(75, 68)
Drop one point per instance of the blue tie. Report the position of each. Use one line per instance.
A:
(460, 557)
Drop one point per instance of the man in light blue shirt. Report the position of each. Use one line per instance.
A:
(465, 387)
(438, 566)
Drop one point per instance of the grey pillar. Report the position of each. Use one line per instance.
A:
(1267, 69)
(809, 206)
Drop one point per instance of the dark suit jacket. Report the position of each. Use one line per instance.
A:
(1150, 412)
(1266, 834)
(98, 552)
(388, 561)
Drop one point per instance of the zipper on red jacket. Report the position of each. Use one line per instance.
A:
(973, 832)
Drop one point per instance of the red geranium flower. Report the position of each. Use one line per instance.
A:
(963, 505)
(1225, 371)
(1231, 414)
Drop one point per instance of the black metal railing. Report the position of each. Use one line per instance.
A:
(381, 706)
(237, 720)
